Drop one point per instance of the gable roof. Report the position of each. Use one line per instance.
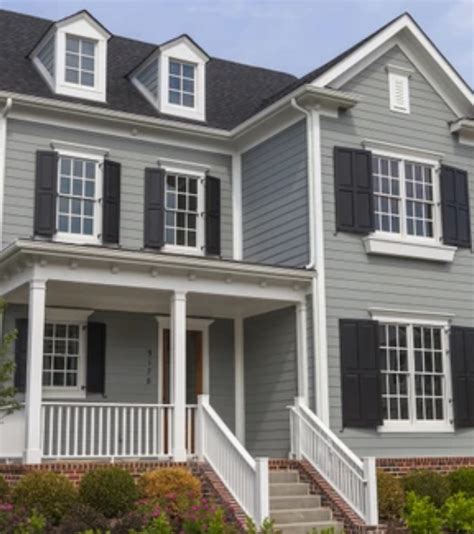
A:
(234, 91)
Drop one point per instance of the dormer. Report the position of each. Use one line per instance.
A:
(173, 78)
(72, 57)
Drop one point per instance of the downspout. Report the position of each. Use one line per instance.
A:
(3, 151)
(316, 261)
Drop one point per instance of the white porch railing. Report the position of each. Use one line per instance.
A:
(354, 479)
(244, 477)
(106, 430)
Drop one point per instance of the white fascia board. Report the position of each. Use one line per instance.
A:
(403, 23)
(158, 260)
(84, 16)
(185, 40)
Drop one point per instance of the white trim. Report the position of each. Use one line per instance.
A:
(77, 148)
(239, 363)
(177, 165)
(403, 22)
(302, 351)
(394, 315)
(237, 228)
(394, 79)
(394, 150)
(417, 248)
(465, 130)
(3, 150)
(397, 69)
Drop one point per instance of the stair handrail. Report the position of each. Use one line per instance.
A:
(245, 478)
(353, 478)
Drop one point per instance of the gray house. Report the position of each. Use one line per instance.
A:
(209, 260)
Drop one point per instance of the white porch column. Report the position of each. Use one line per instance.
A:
(239, 379)
(178, 351)
(302, 350)
(34, 371)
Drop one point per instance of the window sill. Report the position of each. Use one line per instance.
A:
(63, 393)
(405, 248)
(177, 249)
(76, 239)
(416, 428)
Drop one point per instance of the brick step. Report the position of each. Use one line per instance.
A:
(294, 502)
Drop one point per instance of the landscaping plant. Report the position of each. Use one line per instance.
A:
(8, 401)
(169, 481)
(458, 513)
(4, 490)
(111, 491)
(391, 496)
(462, 480)
(422, 516)
(427, 483)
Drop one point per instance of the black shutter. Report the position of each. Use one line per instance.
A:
(96, 334)
(21, 350)
(354, 192)
(111, 203)
(46, 193)
(462, 370)
(213, 216)
(455, 207)
(360, 374)
(154, 208)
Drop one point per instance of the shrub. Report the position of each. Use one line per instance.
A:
(462, 480)
(82, 518)
(458, 513)
(50, 494)
(169, 481)
(4, 490)
(110, 491)
(427, 483)
(159, 525)
(391, 496)
(422, 516)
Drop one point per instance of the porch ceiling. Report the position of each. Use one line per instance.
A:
(75, 295)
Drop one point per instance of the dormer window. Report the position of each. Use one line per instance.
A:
(80, 61)
(173, 79)
(72, 57)
(181, 83)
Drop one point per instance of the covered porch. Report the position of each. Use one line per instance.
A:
(120, 346)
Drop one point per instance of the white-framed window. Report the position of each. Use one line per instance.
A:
(415, 374)
(405, 197)
(79, 207)
(80, 62)
(181, 85)
(64, 352)
(183, 212)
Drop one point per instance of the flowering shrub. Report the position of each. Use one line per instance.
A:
(169, 480)
(15, 520)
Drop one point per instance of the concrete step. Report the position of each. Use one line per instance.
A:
(301, 515)
(285, 489)
(310, 528)
(294, 502)
(284, 476)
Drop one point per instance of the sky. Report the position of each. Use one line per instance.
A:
(293, 36)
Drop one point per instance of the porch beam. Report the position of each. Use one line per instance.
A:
(302, 350)
(178, 351)
(34, 371)
(239, 379)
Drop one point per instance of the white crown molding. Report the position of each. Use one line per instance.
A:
(402, 150)
(64, 146)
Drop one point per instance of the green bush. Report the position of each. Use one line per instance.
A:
(81, 518)
(110, 491)
(458, 513)
(50, 494)
(4, 490)
(427, 483)
(391, 496)
(462, 480)
(422, 516)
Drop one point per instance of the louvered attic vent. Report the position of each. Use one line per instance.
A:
(399, 89)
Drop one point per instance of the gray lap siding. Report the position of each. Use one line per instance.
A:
(24, 139)
(356, 281)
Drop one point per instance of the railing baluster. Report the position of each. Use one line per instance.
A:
(92, 433)
(59, 432)
(101, 431)
(84, 431)
(68, 429)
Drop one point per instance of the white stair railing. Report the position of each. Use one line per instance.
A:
(353, 478)
(246, 478)
(106, 430)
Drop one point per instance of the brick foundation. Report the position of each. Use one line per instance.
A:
(442, 464)
(212, 487)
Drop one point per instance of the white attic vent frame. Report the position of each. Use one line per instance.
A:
(399, 88)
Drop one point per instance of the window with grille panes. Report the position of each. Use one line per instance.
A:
(80, 61)
(183, 211)
(62, 355)
(413, 373)
(78, 210)
(181, 90)
(405, 198)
